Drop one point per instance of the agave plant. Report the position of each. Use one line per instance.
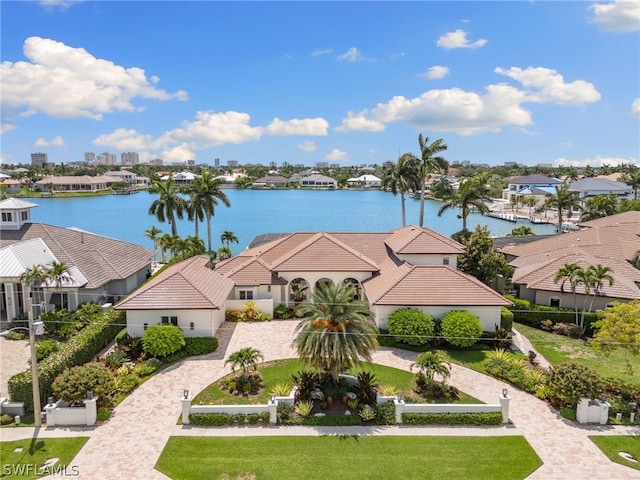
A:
(499, 354)
(303, 408)
(367, 413)
(281, 389)
(388, 390)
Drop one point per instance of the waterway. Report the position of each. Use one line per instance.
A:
(255, 212)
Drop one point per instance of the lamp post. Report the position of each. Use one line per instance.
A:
(34, 367)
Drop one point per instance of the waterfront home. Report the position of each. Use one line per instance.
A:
(592, 186)
(408, 267)
(610, 241)
(317, 180)
(365, 181)
(129, 177)
(271, 181)
(536, 184)
(81, 183)
(181, 178)
(10, 185)
(100, 269)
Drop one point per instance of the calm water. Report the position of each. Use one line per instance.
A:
(254, 212)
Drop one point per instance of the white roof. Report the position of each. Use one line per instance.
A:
(365, 178)
(15, 204)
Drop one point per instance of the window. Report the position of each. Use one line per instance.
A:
(554, 302)
(25, 215)
(174, 321)
(145, 326)
(164, 319)
(192, 326)
(445, 260)
(246, 294)
(6, 217)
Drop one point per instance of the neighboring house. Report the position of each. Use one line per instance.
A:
(535, 184)
(365, 181)
(611, 241)
(181, 178)
(409, 267)
(271, 181)
(124, 176)
(319, 181)
(11, 185)
(82, 183)
(593, 186)
(101, 269)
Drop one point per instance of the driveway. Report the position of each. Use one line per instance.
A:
(129, 444)
(14, 356)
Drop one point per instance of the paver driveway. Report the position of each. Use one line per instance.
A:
(129, 444)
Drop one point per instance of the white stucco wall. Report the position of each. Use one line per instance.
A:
(206, 322)
(264, 306)
(542, 297)
(430, 259)
(489, 316)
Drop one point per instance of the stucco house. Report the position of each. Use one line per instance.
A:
(610, 241)
(100, 269)
(81, 183)
(318, 181)
(365, 181)
(408, 267)
(592, 187)
(536, 184)
(271, 181)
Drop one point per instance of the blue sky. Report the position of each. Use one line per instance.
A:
(304, 82)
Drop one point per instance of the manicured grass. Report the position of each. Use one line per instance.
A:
(558, 348)
(348, 458)
(280, 371)
(612, 445)
(25, 465)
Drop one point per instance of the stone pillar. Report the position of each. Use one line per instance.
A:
(273, 411)
(91, 410)
(186, 409)
(399, 404)
(604, 412)
(50, 410)
(504, 406)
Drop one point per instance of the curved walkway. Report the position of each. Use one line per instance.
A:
(130, 443)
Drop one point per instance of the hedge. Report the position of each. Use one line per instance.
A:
(533, 314)
(506, 319)
(452, 418)
(200, 345)
(221, 419)
(79, 350)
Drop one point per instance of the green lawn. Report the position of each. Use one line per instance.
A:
(25, 465)
(612, 445)
(280, 371)
(558, 348)
(348, 458)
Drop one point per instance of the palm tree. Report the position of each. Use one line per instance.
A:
(224, 253)
(33, 277)
(169, 203)
(193, 246)
(59, 274)
(246, 359)
(431, 363)
(633, 180)
(401, 177)
(195, 208)
(207, 188)
(164, 242)
(569, 272)
(334, 334)
(152, 234)
(564, 199)
(471, 194)
(430, 164)
(530, 201)
(600, 274)
(228, 237)
(598, 207)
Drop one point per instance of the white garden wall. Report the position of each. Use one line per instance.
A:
(205, 322)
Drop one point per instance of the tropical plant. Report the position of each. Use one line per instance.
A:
(74, 383)
(430, 163)
(209, 191)
(564, 200)
(306, 381)
(461, 328)
(246, 359)
(471, 194)
(569, 272)
(281, 389)
(482, 260)
(228, 237)
(366, 388)
(58, 274)
(152, 234)
(162, 339)
(411, 326)
(530, 201)
(520, 231)
(569, 381)
(33, 278)
(633, 180)
(224, 253)
(303, 408)
(432, 363)
(195, 209)
(598, 207)
(335, 334)
(169, 203)
(400, 178)
(367, 413)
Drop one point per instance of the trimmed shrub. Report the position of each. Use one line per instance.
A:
(567, 329)
(569, 381)
(411, 326)
(328, 421)
(46, 347)
(103, 327)
(162, 339)
(460, 328)
(6, 419)
(123, 385)
(210, 419)
(385, 413)
(73, 383)
(506, 319)
(452, 418)
(200, 345)
(534, 315)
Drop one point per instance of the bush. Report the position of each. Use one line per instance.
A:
(46, 347)
(570, 381)
(73, 383)
(567, 329)
(452, 418)
(210, 419)
(6, 419)
(411, 326)
(535, 315)
(253, 418)
(385, 413)
(115, 359)
(103, 414)
(162, 339)
(102, 328)
(506, 319)
(461, 328)
(200, 345)
(328, 421)
(147, 367)
(123, 385)
(16, 335)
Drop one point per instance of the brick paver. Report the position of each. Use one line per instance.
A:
(14, 355)
(129, 444)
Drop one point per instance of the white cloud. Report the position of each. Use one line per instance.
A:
(305, 126)
(458, 39)
(308, 146)
(352, 55)
(635, 108)
(359, 123)
(179, 153)
(617, 16)
(547, 85)
(57, 141)
(336, 155)
(68, 82)
(435, 72)
(61, 4)
(6, 127)
(324, 51)
(127, 141)
(211, 129)
(599, 161)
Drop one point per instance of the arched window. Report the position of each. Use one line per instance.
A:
(298, 288)
(356, 286)
(323, 281)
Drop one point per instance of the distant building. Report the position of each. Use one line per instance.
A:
(190, 163)
(319, 165)
(106, 158)
(510, 164)
(89, 157)
(365, 181)
(129, 158)
(232, 163)
(39, 159)
(155, 161)
(273, 165)
(334, 165)
(216, 162)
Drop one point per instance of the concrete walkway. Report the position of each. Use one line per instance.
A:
(130, 443)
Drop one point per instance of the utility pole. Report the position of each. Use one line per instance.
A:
(37, 408)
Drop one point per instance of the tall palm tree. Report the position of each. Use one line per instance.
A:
(598, 207)
(208, 189)
(334, 334)
(564, 199)
(400, 178)
(430, 163)
(33, 277)
(59, 274)
(633, 180)
(169, 203)
(165, 242)
(471, 194)
(600, 274)
(195, 208)
(228, 237)
(569, 272)
(152, 234)
(431, 363)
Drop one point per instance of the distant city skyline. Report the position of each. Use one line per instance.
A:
(347, 83)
